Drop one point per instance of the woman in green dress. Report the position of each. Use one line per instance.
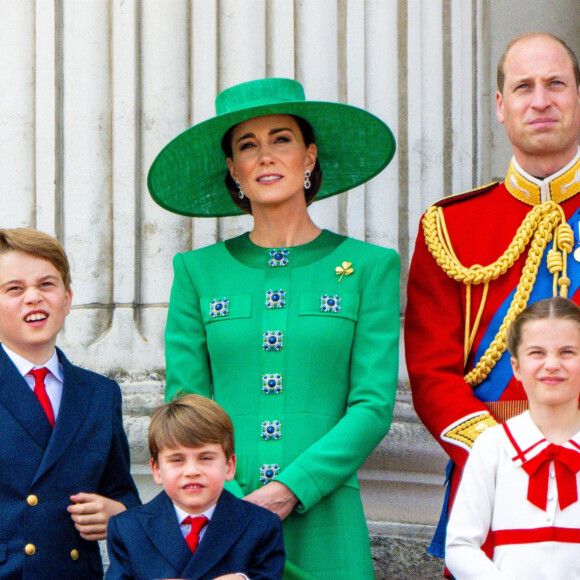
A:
(292, 329)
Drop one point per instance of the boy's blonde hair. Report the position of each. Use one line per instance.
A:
(37, 244)
(191, 421)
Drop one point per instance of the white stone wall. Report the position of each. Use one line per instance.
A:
(92, 89)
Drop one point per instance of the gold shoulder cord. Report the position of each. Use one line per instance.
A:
(541, 224)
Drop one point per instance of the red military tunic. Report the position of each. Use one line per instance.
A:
(480, 225)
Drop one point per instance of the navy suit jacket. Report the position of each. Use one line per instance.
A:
(40, 468)
(146, 543)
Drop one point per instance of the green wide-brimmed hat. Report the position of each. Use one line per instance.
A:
(187, 177)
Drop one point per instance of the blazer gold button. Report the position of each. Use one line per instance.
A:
(74, 555)
(32, 500)
(30, 549)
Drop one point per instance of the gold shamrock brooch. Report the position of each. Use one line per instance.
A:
(344, 270)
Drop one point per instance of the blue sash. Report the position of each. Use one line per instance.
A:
(495, 384)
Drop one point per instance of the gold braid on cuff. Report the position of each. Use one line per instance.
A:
(467, 432)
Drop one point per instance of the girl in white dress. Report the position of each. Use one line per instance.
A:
(520, 483)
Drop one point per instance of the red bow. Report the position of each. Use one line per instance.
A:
(566, 464)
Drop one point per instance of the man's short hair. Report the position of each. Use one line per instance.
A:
(39, 244)
(191, 421)
(501, 63)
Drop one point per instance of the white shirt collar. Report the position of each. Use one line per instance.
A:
(181, 515)
(529, 438)
(24, 366)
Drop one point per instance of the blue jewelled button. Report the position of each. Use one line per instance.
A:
(272, 384)
(271, 430)
(275, 299)
(219, 308)
(330, 303)
(273, 340)
(268, 472)
(278, 257)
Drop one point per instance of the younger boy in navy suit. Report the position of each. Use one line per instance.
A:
(191, 441)
(64, 456)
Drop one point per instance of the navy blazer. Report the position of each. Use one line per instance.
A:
(146, 543)
(40, 468)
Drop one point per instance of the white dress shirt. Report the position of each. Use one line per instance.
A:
(53, 380)
(185, 529)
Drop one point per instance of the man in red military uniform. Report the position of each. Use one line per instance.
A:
(482, 256)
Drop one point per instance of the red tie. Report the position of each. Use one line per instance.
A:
(566, 465)
(40, 392)
(197, 523)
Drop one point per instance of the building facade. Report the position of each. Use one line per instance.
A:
(91, 91)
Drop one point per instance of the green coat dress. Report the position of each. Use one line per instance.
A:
(305, 362)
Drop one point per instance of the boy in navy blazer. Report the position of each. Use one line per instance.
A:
(64, 456)
(191, 441)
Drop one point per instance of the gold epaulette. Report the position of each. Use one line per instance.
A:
(457, 197)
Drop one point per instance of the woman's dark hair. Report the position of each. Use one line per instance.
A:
(556, 308)
(315, 179)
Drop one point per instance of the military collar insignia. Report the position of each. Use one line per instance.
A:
(559, 187)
